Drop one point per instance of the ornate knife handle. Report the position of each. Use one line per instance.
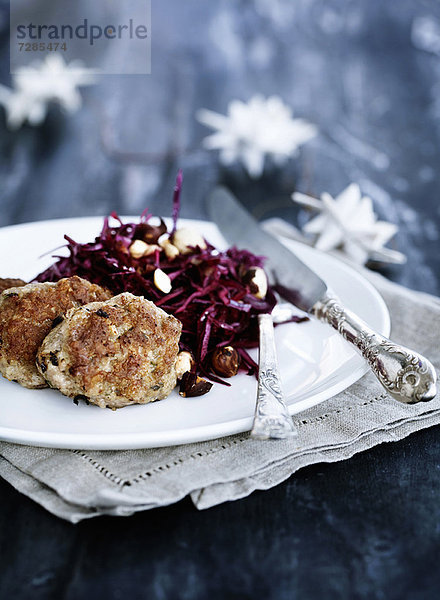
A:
(272, 419)
(406, 376)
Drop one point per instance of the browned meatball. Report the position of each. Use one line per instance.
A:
(5, 284)
(113, 353)
(27, 315)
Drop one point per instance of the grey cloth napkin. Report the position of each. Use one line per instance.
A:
(76, 484)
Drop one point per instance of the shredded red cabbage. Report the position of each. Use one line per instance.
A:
(208, 293)
(176, 199)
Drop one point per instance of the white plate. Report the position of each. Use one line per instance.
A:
(315, 362)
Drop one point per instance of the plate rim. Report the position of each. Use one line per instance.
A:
(199, 433)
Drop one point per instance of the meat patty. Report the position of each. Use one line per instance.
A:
(5, 284)
(113, 353)
(28, 313)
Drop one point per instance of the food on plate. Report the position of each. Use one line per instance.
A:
(184, 363)
(5, 284)
(192, 385)
(114, 353)
(28, 313)
(217, 295)
(226, 361)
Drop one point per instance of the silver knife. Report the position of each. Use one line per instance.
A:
(406, 376)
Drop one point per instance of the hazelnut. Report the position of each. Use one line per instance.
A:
(225, 361)
(192, 385)
(257, 281)
(186, 239)
(184, 364)
(162, 281)
(138, 249)
(150, 233)
(170, 249)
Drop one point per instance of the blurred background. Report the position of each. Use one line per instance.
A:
(367, 73)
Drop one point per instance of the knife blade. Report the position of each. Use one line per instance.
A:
(406, 375)
(296, 281)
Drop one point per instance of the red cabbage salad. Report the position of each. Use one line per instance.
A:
(214, 294)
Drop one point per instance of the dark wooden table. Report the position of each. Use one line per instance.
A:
(368, 74)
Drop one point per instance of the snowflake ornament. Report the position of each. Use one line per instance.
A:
(43, 82)
(348, 222)
(251, 131)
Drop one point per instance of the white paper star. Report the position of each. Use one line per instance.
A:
(42, 82)
(250, 132)
(349, 222)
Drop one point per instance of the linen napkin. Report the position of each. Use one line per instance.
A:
(75, 484)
